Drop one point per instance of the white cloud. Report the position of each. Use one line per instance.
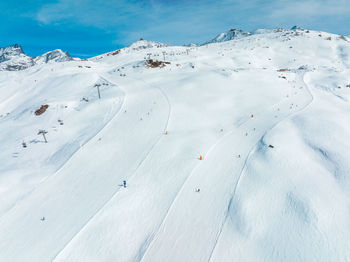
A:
(100, 14)
(310, 9)
(180, 21)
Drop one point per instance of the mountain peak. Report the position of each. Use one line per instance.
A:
(15, 46)
(296, 28)
(56, 56)
(11, 50)
(12, 58)
(229, 35)
(144, 44)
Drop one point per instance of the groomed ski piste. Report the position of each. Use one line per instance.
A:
(231, 151)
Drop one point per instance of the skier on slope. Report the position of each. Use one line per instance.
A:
(124, 183)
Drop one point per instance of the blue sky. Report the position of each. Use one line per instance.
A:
(90, 27)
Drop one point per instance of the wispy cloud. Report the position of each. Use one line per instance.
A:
(310, 9)
(164, 20)
(178, 20)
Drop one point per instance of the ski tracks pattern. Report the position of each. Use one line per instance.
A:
(130, 179)
(301, 78)
(81, 147)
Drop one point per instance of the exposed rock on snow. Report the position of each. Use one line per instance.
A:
(12, 58)
(53, 56)
(155, 63)
(41, 110)
(230, 35)
(6, 53)
(296, 28)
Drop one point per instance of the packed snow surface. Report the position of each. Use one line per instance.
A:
(232, 151)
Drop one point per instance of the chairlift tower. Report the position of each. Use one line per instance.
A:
(98, 90)
(43, 132)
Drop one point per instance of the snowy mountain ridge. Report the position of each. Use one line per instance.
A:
(139, 45)
(233, 151)
(145, 44)
(8, 51)
(12, 58)
(55, 56)
(230, 35)
(233, 34)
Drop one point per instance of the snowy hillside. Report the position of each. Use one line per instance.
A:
(231, 151)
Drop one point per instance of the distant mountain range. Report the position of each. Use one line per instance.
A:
(12, 58)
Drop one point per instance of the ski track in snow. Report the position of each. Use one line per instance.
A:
(140, 163)
(165, 96)
(250, 153)
(161, 217)
(71, 158)
(153, 238)
(130, 179)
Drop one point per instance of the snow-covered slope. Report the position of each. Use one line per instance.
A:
(258, 124)
(12, 58)
(140, 45)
